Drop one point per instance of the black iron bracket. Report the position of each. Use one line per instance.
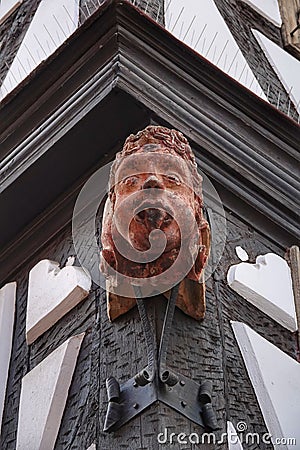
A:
(187, 397)
(158, 383)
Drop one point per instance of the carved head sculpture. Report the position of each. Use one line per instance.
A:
(154, 211)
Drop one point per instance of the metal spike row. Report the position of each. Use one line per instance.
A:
(200, 36)
(176, 21)
(60, 27)
(189, 27)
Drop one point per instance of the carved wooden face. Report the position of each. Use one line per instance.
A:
(154, 211)
(153, 191)
(154, 174)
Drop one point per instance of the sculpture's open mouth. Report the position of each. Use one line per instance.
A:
(154, 215)
(153, 218)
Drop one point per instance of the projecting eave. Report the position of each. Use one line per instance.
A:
(119, 71)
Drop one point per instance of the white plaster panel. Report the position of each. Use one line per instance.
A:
(276, 380)
(267, 8)
(267, 284)
(7, 7)
(285, 65)
(53, 22)
(200, 25)
(52, 292)
(44, 394)
(234, 442)
(7, 316)
(241, 253)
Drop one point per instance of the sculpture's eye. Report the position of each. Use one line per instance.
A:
(130, 181)
(173, 178)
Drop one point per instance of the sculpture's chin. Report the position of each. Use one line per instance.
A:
(140, 241)
(112, 263)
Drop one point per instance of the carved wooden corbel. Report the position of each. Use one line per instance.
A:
(155, 240)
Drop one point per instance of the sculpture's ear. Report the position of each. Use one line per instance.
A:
(191, 296)
(204, 232)
(205, 236)
(106, 238)
(107, 215)
(203, 254)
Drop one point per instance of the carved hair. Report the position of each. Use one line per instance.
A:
(172, 140)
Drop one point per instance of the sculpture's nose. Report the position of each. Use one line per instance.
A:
(152, 182)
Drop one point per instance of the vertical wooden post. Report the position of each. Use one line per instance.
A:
(290, 13)
(293, 258)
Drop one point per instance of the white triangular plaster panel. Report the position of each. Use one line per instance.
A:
(200, 25)
(268, 8)
(52, 292)
(285, 65)
(53, 22)
(267, 285)
(44, 394)
(276, 380)
(92, 447)
(7, 317)
(234, 442)
(7, 7)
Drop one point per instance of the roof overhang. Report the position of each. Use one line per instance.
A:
(115, 75)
